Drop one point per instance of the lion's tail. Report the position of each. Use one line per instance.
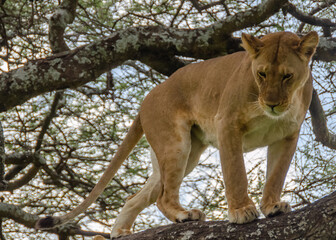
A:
(131, 139)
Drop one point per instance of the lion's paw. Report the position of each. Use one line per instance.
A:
(192, 215)
(243, 215)
(275, 209)
(120, 232)
(99, 237)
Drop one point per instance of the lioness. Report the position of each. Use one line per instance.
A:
(237, 103)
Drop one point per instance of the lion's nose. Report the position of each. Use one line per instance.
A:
(272, 105)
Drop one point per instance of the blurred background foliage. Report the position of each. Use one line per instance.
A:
(89, 123)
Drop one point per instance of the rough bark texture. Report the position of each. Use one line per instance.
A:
(156, 46)
(326, 50)
(319, 122)
(3, 183)
(316, 221)
(75, 68)
(309, 19)
(2, 154)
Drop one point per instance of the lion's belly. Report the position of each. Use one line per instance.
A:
(206, 132)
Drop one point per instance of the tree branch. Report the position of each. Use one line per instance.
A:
(37, 161)
(154, 45)
(326, 50)
(21, 161)
(31, 173)
(46, 123)
(19, 158)
(64, 15)
(24, 159)
(16, 213)
(319, 122)
(320, 7)
(200, 8)
(2, 154)
(3, 183)
(75, 68)
(312, 20)
(315, 221)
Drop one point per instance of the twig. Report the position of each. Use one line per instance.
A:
(46, 123)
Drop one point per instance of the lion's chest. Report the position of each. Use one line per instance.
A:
(265, 131)
(260, 132)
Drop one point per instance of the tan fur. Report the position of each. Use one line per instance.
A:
(236, 103)
(98, 237)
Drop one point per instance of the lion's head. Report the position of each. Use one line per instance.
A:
(280, 67)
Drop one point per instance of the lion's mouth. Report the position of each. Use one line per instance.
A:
(274, 110)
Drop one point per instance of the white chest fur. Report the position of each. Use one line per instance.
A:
(264, 131)
(261, 130)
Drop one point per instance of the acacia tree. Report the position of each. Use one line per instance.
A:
(74, 74)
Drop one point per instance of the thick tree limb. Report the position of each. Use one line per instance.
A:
(319, 123)
(147, 44)
(3, 183)
(17, 214)
(75, 68)
(2, 154)
(326, 50)
(315, 221)
(320, 7)
(312, 20)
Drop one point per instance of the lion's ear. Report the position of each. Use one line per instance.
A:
(308, 44)
(251, 44)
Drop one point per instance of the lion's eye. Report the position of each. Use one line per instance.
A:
(262, 74)
(287, 76)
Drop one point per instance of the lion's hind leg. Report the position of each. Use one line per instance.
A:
(149, 194)
(135, 204)
(176, 158)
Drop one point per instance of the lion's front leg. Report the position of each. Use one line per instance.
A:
(279, 156)
(241, 207)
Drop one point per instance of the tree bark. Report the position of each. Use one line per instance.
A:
(319, 122)
(156, 46)
(315, 221)
(3, 184)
